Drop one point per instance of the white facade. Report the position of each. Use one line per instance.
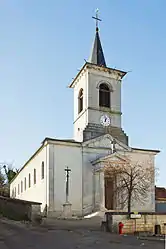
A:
(38, 191)
(89, 80)
(85, 156)
(64, 154)
(86, 184)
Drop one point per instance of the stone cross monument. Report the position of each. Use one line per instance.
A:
(67, 210)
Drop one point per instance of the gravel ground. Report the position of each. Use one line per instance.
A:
(14, 235)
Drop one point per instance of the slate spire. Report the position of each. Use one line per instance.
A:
(97, 55)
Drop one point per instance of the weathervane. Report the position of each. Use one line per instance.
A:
(97, 19)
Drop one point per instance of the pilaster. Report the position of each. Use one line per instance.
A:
(102, 191)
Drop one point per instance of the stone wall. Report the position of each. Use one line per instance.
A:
(16, 209)
(146, 223)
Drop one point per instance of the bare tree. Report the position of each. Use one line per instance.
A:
(132, 181)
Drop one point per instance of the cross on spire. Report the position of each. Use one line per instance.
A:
(97, 19)
(97, 55)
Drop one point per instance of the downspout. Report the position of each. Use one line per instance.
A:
(53, 180)
(94, 188)
(48, 178)
(46, 184)
(87, 99)
(82, 179)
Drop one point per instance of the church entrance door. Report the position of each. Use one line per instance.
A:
(109, 194)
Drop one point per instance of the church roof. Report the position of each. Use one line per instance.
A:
(90, 65)
(160, 193)
(97, 55)
(60, 140)
(148, 150)
(97, 59)
(40, 148)
(107, 157)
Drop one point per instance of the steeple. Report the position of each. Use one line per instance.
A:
(97, 55)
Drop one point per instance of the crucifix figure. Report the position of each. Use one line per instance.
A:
(113, 143)
(67, 170)
(97, 19)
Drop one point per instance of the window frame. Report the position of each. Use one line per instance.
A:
(21, 186)
(42, 170)
(104, 95)
(25, 183)
(18, 190)
(34, 176)
(80, 100)
(29, 180)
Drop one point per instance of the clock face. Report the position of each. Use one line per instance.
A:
(105, 120)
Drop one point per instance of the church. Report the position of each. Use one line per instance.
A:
(67, 175)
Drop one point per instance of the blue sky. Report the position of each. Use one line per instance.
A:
(42, 46)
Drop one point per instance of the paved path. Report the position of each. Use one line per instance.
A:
(18, 236)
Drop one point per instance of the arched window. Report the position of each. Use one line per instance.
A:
(80, 101)
(34, 176)
(25, 183)
(29, 180)
(21, 186)
(104, 95)
(42, 170)
(18, 189)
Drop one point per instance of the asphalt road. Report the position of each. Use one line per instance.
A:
(14, 236)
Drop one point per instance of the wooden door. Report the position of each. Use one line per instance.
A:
(109, 194)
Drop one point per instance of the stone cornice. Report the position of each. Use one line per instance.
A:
(118, 74)
(105, 109)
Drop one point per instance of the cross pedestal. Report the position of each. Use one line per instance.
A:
(67, 210)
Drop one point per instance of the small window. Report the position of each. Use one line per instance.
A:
(80, 101)
(29, 180)
(21, 186)
(18, 189)
(25, 183)
(42, 170)
(15, 192)
(34, 176)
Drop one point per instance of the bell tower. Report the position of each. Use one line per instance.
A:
(97, 97)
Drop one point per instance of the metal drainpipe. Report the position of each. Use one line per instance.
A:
(87, 99)
(46, 183)
(53, 179)
(94, 187)
(82, 178)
